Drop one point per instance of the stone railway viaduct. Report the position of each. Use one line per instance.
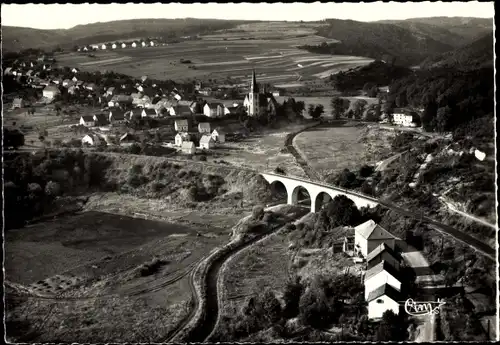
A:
(318, 192)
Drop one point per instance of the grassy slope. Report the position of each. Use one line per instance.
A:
(15, 38)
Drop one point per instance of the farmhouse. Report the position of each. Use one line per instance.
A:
(257, 103)
(87, 121)
(206, 142)
(91, 139)
(103, 47)
(124, 45)
(180, 110)
(213, 110)
(110, 91)
(91, 86)
(188, 147)
(230, 110)
(29, 73)
(181, 137)
(382, 299)
(113, 46)
(404, 117)
(101, 120)
(67, 83)
(134, 45)
(369, 235)
(75, 70)
(204, 127)
(72, 90)
(219, 135)
(143, 43)
(206, 91)
(381, 274)
(17, 103)
(196, 107)
(181, 125)
(51, 91)
(383, 253)
(149, 113)
(57, 81)
(116, 116)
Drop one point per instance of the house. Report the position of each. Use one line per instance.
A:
(188, 147)
(230, 110)
(196, 107)
(51, 91)
(176, 95)
(404, 117)
(204, 127)
(101, 120)
(180, 110)
(206, 91)
(207, 142)
(91, 86)
(71, 90)
(29, 73)
(276, 93)
(118, 100)
(151, 44)
(75, 70)
(383, 273)
(149, 113)
(57, 81)
(41, 58)
(110, 91)
(143, 43)
(79, 84)
(17, 103)
(113, 46)
(181, 125)
(7, 71)
(370, 235)
(91, 139)
(127, 138)
(134, 45)
(144, 78)
(213, 110)
(85, 48)
(383, 253)
(124, 45)
(103, 47)
(382, 299)
(74, 79)
(181, 137)
(87, 121)
(116, 116)
(67, 83)
(219, 135)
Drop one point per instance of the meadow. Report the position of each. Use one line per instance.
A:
(269, 49)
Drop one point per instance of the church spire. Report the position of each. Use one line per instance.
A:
(254, 87)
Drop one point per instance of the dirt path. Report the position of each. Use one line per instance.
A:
(427, 329)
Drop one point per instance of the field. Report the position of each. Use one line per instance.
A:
(329, 150)
(228, 55)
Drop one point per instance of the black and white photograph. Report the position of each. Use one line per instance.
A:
(249, 172)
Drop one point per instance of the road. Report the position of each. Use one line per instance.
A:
(427, 328)
(383, 166)
(470, 216)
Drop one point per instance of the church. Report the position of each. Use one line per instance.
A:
(259, 103)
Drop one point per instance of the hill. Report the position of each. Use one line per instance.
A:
(379, 40)
(469, 29)
(475, 55)
(18, 38)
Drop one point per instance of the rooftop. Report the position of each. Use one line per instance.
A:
(386, 290)
(383, 266)
(367, 231)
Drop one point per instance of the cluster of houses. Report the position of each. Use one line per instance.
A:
(117, 45)
(405, 117)
(207, 136)
(382, 278)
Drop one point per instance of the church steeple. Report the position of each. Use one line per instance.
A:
(254, 87)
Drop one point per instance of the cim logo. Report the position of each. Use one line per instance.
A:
(417, 308)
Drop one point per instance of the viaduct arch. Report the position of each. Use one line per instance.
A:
(319, 192)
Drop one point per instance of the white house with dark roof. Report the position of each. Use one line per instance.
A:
(101, 120)
(116, 116)
(91, 139)
(207, 142)
(17, 103)
(381, 300)
(180, 110)
(213, 110)
(383, 253)
(204, 127)
(181, 125)
(369, 235)
(219, 135)
(149, 113)
(405, 117)
(51, 91)
(87, 121)
(378, 275)
(182, 137)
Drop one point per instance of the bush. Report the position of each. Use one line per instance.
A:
(52, 189)
(366, 171)
(258, 212)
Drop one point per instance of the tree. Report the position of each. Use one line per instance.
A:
(52, 189)
(257, 212)
(339, 106)
(291, 295)
(443, 119)
(391, 328)
(430, 112)
(316, 111)
(359, 108)
(310, 110)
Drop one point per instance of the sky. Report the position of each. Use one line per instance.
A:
(65, 16)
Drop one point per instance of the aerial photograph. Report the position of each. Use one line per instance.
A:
(254, 172)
